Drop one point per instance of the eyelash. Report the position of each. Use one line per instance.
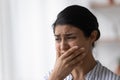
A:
(58, 39)
(71, 37)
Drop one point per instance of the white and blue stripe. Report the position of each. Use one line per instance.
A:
(99, 72)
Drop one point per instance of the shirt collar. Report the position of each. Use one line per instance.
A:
(94, 71)
(91, 73)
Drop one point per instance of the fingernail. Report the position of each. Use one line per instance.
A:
(76, 47)
(82, 48)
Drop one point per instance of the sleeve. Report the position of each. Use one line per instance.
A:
(46, 76)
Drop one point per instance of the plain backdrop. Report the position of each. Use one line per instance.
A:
(27, 49)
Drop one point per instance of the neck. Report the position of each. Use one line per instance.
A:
(80, 71)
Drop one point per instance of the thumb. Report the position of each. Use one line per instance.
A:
(57, 54)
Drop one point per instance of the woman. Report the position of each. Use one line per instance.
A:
(76, 31)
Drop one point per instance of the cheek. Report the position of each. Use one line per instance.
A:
(77, 43)
(80, 43)
(74, 43)
(57, 46)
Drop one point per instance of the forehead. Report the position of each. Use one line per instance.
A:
(66, 29)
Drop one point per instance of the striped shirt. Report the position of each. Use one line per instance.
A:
(99, 72)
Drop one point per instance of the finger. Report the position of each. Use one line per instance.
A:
(77, 60)
(75, 54)
(70, 51)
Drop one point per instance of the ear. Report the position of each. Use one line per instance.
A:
(93, 36)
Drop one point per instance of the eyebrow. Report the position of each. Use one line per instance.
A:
(67, 34)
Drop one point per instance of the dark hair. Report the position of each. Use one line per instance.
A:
(79, 17)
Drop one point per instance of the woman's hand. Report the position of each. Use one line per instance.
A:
(66, 62)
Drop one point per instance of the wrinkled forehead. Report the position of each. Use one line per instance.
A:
(66, 29)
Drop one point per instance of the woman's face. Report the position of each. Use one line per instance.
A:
(67, 36)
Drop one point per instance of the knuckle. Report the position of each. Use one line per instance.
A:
(64, 62)
(67, 65)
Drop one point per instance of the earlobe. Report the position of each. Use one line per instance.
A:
(94, 35)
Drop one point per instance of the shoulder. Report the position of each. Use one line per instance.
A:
(101, 72)
(108, 74)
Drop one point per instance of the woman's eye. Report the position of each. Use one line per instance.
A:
(57, 39)
(71, 37)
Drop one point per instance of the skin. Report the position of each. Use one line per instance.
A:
(74, 53)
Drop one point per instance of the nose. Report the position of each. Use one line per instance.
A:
(64, 46)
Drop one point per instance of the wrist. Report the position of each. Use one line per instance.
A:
(54, 76)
